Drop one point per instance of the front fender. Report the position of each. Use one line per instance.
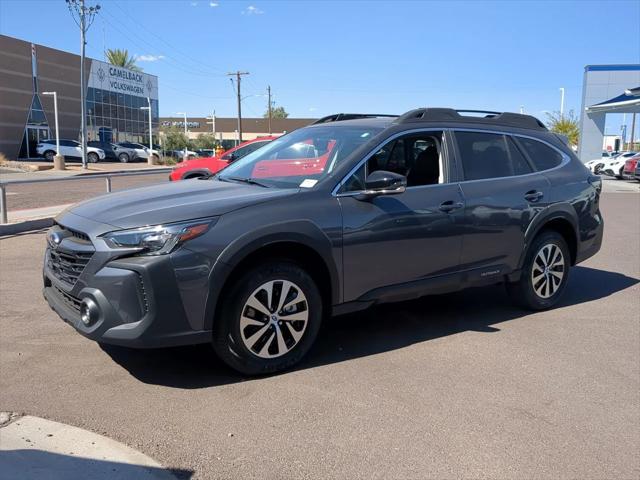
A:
(304, 232)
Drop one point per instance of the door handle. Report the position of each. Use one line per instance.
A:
(450, 206)
(533, 196)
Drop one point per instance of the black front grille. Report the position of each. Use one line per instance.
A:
(69, 253)
(68, 265)
(69, 300)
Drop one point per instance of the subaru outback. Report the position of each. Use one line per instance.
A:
(328, 219)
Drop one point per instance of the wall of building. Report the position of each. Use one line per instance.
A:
(60, 72)
(601, 83)
(226, 127)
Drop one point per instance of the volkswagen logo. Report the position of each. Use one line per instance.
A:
(101, 74)
(54, 238)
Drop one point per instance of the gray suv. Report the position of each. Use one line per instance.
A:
(328, 219)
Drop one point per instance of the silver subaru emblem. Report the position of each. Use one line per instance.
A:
(54, 238)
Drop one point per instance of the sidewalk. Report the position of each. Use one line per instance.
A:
(34, 448)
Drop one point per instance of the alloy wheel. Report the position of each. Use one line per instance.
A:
(274, 319)
(548, 270)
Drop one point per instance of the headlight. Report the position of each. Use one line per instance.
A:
(158, 239)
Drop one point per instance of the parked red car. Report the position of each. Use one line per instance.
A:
(203, 166)
(628, 171)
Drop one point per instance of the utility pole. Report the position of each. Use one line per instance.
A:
(238, 76)
(86, 16)
(269, 106)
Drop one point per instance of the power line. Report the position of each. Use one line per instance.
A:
(151, 32)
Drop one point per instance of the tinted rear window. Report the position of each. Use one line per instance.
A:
(542, 156)
(490, 155)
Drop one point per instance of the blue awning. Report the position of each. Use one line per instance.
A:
(628, 102)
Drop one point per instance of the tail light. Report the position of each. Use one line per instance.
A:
(596, 182)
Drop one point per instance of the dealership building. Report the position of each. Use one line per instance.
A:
(226, 129)
(114, 98)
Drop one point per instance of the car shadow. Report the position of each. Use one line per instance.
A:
(376, 330)
(34, 464)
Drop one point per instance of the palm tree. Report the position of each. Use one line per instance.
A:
(121, 58)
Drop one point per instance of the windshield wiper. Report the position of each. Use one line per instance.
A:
(250, 181)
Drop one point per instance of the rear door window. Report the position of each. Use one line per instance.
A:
(489, 155)
(542, 156)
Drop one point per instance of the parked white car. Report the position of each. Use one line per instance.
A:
(68, 149)
(141, 150)
(614, 166)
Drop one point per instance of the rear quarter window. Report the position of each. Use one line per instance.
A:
(541, 155)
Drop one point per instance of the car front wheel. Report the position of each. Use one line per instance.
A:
(92, 157)
(544, 274)
(49, 154)
(123, 157)
(269, 319)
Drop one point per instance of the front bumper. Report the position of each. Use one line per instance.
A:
(138, 303)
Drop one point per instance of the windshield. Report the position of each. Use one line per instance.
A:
(301, 158)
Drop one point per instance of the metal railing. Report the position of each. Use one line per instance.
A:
(107, 177)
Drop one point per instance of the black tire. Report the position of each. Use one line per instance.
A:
(524, 292)
(227, 337)
(123, 157)
(49, 154)
(193, 175)
(92, 157)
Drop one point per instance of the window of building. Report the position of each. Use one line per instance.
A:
(542, 156)
(489, 155)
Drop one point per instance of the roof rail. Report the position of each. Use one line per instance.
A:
(449, 115)
(336, 117)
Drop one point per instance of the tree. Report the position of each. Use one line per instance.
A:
(174, 138)
(205, 140)
(121, 58)
(567, 125)
(276, 112)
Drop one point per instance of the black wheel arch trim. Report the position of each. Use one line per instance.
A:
(559, 211)
(303, 232)
(200, 171)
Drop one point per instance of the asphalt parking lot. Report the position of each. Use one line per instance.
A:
(460, 385)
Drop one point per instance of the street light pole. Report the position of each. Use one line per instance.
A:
(561, 102)
(86, 15)
(269, 106)
(55, 114)
(58, 160)
(184, 153)
(150, 156)
(213, 130)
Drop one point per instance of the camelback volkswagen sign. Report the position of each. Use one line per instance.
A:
(121, 80)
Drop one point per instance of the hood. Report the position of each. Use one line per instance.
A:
(172, 202)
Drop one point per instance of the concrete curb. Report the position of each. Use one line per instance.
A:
(34, 448)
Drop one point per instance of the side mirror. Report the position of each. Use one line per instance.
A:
(382, 182)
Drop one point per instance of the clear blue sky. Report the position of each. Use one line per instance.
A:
(323, 57)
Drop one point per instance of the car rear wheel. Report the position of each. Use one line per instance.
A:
(269, 319)
(544, 274)
(92, 157)
(123, 157)
(49, 154)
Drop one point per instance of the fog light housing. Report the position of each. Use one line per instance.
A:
(89, 311)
